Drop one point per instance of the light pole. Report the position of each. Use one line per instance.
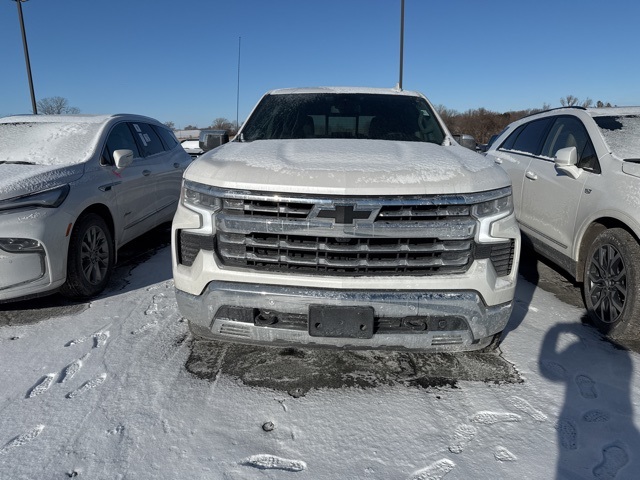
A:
(26, 55)
(401, 41)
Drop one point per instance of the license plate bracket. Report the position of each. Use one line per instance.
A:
(340, 321)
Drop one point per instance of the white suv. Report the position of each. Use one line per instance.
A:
(73, 189)
(576, 184)
(349, 218)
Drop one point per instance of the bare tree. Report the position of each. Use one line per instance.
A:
(601, 104)
(569, 101)
(221, 123)
(56, 106)
(171, 125)
(572, 101)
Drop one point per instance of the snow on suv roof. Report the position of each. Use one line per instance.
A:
(367, 90)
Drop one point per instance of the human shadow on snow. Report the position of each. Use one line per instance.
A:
(596, 434)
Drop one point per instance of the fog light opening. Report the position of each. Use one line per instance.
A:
(265, 317)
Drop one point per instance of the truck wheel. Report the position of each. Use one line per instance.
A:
(611, 282)
(91, 257)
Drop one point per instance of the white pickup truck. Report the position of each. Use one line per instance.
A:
(346, 217)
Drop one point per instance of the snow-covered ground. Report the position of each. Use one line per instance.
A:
(104, 393)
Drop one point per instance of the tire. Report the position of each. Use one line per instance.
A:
(611, 284)
(91, 258)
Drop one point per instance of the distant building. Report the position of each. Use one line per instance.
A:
(187, 134)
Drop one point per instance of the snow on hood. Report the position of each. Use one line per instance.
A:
(347, 166)
(48, 143)
(18, 180)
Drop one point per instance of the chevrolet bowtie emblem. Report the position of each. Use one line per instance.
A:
(345, 214)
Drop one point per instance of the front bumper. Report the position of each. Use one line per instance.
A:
(404, 319)
(25, 274)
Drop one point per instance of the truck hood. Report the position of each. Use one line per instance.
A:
(17, 179)
(347, 167)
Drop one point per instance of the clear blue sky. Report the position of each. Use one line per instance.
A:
(178, 60)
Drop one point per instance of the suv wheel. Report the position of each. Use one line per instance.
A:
(611, 282)
(91, 255)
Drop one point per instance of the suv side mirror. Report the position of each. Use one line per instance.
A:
(466, 141)
(122, 158)
(566, 160)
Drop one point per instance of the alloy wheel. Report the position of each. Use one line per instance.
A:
(607, 283)
(94, 255)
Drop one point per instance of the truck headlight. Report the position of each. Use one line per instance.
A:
(45, 199)
(489, 212)
(199, 196)
(498, 207)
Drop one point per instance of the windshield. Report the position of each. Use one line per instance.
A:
(343, 115)
(622, 134)
(47, 143)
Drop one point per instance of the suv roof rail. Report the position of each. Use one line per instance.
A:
(578, 107)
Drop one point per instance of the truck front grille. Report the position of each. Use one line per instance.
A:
(351, 236)
(348, 256)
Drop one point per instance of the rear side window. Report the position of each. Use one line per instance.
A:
(531, 136)
(167, 136)
(147, 138)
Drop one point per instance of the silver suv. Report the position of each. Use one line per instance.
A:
(349, 218)
(576, 183)
(73, 189)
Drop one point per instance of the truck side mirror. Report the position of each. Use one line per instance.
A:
(466, 141)
(211, 139)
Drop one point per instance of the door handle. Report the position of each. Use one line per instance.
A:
(146, 173)
(531, 175)
(176, 165)
(498, 160)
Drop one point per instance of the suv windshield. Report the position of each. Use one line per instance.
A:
(343, 115)
(622, 134)
(48, 143)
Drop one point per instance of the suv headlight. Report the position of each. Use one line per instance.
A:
(45, 199)
(198, 196)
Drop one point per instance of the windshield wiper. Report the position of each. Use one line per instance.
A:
(17, 162)
(632, 160)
